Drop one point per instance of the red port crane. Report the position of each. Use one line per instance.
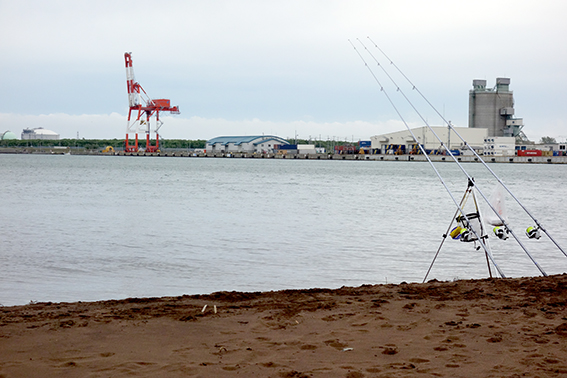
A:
(140, 103)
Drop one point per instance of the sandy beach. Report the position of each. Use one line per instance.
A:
(467, 328)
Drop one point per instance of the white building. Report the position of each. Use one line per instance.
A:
(403, 141)
(499, 146)
(39, 133)
(246, 144)
(306, 149)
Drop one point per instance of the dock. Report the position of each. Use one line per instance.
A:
(238, 155)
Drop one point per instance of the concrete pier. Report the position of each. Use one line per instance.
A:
(359, 157)
(434, 158)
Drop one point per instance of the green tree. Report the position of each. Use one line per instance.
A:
(547, 140)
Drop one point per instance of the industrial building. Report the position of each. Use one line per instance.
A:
(245, 144)
(39, 133)
(493, 109)
(402, 142)
(493, 130)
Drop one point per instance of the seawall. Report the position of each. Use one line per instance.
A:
(359, 157)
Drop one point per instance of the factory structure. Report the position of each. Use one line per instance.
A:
(493, 109)
(492, 130)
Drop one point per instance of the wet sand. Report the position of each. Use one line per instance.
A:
(467, 328)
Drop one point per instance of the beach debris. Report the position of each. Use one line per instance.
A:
(66, 323)
(221, 349)
(205, 309)
(390, 350)
(347, 349)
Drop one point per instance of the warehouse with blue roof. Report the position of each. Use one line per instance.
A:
(246, 144)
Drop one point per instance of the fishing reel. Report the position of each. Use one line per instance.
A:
(468, 228)
(501, 232)
(533, 232)
(462, 234)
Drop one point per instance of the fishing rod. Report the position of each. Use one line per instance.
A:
(414, 87)
(486, 250)
(507, 227)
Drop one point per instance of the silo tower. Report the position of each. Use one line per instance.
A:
(493, 109)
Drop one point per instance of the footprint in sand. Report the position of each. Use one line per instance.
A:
(494, 339)
(335, 344)
(231, 368)
(401, 365)
(308, 347)
(561, 329)
(270, 364)
(418, 360)
(355, 374)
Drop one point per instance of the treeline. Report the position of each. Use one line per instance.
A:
(95, 144)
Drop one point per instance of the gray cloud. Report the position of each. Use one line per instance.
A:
(281, 62)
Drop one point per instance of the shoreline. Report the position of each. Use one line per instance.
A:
(354, 157)
(489, 327)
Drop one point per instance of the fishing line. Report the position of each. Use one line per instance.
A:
(450, 153)
(488, 253)
(414, 87)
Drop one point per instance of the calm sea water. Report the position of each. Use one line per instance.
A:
(90, 228)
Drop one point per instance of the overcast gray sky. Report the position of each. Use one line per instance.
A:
(275, 67)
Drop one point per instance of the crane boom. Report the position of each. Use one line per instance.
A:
(130, 80)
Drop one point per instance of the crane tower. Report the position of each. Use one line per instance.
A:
(144, 108)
